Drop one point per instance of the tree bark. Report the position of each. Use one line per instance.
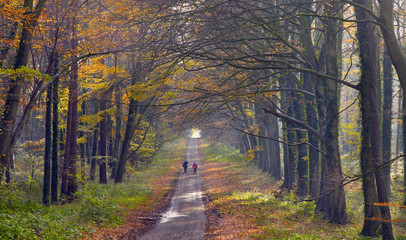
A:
(129, 132)
(103, 140)
(130, 127)
(55, 138)
(370, 146)
(302, 161)
(291, 137)
(314, 155)
(371, 211)
(48, 147)
(263, 142)
(404, 142)
(69, 182)
(387, 118)
(117, 140)
(93, 161)
(272, 129)
(333, 196)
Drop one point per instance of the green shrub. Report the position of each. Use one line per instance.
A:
(97, 205)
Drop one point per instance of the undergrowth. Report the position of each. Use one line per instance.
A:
(22, 216)
(250, 196)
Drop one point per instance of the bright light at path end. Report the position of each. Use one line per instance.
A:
(196, 133)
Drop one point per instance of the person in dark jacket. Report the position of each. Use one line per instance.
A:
(185, 163)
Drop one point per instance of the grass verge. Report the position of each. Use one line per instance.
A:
(245, 203)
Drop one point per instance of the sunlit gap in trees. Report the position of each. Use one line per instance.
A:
(194, 133)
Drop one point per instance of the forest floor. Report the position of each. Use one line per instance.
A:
(243, 203)
(237, 207)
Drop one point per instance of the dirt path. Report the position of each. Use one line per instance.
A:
(185, 218)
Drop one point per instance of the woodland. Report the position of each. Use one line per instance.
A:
(310, 92)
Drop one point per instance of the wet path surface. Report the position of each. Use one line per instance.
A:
(185, 218)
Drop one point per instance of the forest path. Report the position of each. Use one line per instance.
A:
(185, 218)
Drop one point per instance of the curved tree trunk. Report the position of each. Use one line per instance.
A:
(130, 127)
(125, 146)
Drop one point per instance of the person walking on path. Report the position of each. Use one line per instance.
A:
(185, 163)
(194, 167)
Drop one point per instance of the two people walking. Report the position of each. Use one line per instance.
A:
(185, 165)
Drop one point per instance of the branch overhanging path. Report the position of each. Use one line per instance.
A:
(185, 218)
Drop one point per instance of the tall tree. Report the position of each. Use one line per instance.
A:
(9, 111)
(303, 157)
(117, 139)
(48, 147)
(103, 139)
(130, 127)
(69, 178)
(55, 138)
(332, 202)
(374, 182)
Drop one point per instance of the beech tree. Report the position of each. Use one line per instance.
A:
(9, 112)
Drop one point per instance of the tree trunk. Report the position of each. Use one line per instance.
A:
(55, 138)
(251, 139)
(370, 146)
(82, 145)
(117, 141)
(93, 161)
(103, 140)
(371, 211)
(303, 161)
(48, 147)
(284, 107)
(246, 142)
(263, 156)
(272, 129)
(129, 132)
(274, 147)
(291, 138)
(48, 133)
(399, 125)
(311, 107)
(333, 196)
(130, 128)
(387, 118)
(314, 155)
(404, 142)
(69, 183)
